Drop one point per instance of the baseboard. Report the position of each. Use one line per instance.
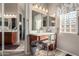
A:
(66, 52)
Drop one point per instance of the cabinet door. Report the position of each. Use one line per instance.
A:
(43, 37)
(7, 38)
(14, 37)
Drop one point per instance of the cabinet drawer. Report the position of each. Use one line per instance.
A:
(43, 37)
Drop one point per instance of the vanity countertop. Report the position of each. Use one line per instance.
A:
(39, 34)
(9, 30)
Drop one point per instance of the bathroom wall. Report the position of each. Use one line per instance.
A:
(0, 9)
(69, 43)
(66, 42)
(10, 8)
(54, 11)
(45, 5)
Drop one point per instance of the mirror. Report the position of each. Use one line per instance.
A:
(44, 21)
(10, 23)
(36, 20)
(51, 21)
(40, 21)
(13, 23)
(6, 22)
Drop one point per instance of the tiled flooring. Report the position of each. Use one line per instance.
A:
(50, 53)
(42, 53)
(20, 52)
(15, 52)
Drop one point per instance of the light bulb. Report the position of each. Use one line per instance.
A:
(43, 9)
(46, 10)
(13, 15)
(7, 15)
(52, 21)
(10, 15)
(36, 6)
(40, 8)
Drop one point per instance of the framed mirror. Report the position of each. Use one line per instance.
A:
(39, 21)
(51, 21)
(36, 20)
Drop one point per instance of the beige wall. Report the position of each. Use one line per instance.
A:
(0, 9)
(65, 41)
(10, 8)
(69, 43)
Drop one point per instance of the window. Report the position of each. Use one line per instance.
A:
(68, 22)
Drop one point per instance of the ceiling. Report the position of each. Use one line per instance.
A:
(68, 6)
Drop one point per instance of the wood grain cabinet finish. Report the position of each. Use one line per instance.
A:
(42, 38)
(9, 37)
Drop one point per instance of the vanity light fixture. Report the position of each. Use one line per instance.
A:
(40, 8)
(9, 15)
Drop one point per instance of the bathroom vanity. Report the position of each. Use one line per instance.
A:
(44, 37)
(10, 30)
(42, 31)
(9, 37)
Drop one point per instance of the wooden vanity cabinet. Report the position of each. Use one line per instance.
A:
(9, 37)
(42, 38)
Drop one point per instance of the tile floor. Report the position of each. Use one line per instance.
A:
(50, 53)
(20, 52)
